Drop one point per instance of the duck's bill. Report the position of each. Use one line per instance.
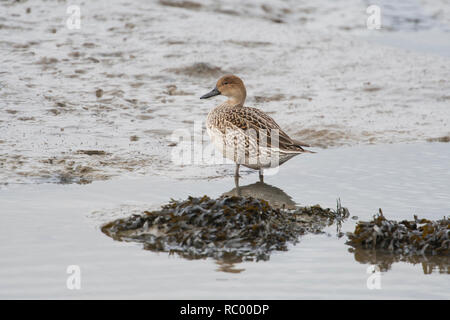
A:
(212, 93)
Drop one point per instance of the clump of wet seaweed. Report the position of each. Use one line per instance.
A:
(240, 228)
(417, 237)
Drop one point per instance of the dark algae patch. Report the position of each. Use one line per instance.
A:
(227, 228)
(238, 227)
(420, 236)
(383, 242)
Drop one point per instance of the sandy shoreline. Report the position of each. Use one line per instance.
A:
(122, 83)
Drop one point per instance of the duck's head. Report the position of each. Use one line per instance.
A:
(230, 86)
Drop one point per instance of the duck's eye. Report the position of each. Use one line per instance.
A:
(225, 83)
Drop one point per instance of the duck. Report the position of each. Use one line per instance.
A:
(247, 135)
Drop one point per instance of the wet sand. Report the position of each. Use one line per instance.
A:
(134, 71)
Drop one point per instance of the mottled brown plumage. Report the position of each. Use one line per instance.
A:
(247, 135)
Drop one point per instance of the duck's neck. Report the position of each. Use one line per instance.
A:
(238, 99)
(235, 103)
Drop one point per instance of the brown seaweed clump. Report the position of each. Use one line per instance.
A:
(230, 227)
(418, 237)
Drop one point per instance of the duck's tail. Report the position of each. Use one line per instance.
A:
(300, 145)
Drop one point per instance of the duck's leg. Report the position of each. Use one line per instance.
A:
(261, 175)
(236, 173)
(236, 178)
(236, 183)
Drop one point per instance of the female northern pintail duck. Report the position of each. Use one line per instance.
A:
(247, 135)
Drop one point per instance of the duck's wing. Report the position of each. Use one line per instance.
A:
(246, 118)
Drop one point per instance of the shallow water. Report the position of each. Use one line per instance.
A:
(47, 227)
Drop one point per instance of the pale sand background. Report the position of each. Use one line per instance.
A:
(314, 67)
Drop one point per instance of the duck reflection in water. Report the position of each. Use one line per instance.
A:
(276, 197)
